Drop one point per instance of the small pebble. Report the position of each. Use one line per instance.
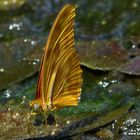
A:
(105, 133)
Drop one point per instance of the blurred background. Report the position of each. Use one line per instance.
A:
(107, 38)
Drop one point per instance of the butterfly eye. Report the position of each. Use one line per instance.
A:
(36, 106)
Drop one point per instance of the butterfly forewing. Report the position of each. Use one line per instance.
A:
(60, 76)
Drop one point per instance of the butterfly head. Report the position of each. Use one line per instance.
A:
(37, 105)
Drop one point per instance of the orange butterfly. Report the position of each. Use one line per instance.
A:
(60, 75)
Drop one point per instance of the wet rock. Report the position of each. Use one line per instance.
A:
(105, 134)
(131, 67)
(100, 32)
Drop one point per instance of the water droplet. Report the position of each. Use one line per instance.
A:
(5, 2)
(14, 116)
(16, 26)
(103, 84)
(25, 40)
(2, 69)
(33, 43)
(133, 46)
(52, 133)
(38, 60)
(68, 122)
(103, 22)
(134, 4)
(113, 126)
(114, 81)
(17, 114)
(14, 1)
(1, 35)
(24, 59)
(24, 97)
(138, 89)
(9, 109)
(7, 93)
(34, 63)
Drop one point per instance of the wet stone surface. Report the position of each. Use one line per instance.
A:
(108, 42)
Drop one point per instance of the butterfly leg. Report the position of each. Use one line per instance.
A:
(45, 117)
(55, 116)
